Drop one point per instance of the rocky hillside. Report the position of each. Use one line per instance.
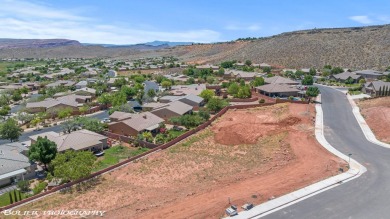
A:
(357, 47)
(36, 43)
(367, 47)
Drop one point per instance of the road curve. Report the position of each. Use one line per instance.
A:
(368, 196)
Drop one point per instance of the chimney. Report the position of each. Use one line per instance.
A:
(144, 116)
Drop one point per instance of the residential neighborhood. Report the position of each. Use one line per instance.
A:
(139, 108)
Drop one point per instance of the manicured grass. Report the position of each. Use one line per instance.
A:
(4, 198)
(115, 154)
(355, 92)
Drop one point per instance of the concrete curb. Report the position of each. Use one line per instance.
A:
(364, 126)
(355, 171)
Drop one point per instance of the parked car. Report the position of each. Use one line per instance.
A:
(106, 120)
(177, 128)
(247, 206)
(231, 211)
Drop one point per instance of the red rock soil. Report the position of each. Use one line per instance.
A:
(376, 112)
(248, 155)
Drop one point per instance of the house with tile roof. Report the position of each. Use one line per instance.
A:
(173, 109)
(277, 90)
(130, 124)
(80, 140)
(376, 88)
(14, 165)
(342, 77)
(190, 99)
(280, 80)
(71, 101)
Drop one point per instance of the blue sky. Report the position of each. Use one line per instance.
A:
(137, 21)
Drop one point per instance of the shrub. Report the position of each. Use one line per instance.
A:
(39, 187)
(24, 185)
(261, 101)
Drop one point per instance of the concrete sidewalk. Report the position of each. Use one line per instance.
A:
(364, 126)
(355, 171)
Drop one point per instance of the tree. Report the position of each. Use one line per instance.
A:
(16, 96)
(24, 90)
(312, 71)
(336, 70)
(258, 81)
(216, 104)
(166, 84)
(244, 92)
(147, 136)
(120, 82)
(267, 69)
(362, 81)
(73, 165)
(84, 109)
(91, 124)
(248, 62)
(233, 89)
(190, 80)
(312, 92)
(10, 130)
(118, 99)
(65, 113)
(69, 126)
(210, 79)
(105, 99)
(349, 80)
(43, 150)
(24, 117)
(4, 110)
(221, 71)
(307, 80)
(151, 93)
(24, 185)
(159, 78)
(10, 198)
(207, 94)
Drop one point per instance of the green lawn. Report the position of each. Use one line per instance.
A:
(4, 199)
(354, 92)
(115, 154)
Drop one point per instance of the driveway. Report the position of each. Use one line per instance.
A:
(365, 197)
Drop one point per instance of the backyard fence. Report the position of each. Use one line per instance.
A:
(154, 149)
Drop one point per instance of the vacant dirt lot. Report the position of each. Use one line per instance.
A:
(246, 155)
(376, 112)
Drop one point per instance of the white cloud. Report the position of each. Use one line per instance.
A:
(363, 19)
(20, 19)
(246, 27)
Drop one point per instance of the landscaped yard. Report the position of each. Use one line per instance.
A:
(4, 198)
(116, 154)
(248, 155)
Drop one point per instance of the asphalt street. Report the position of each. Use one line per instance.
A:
(367, 196)
(57, 128)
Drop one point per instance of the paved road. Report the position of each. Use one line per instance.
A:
(58, 128)
(365, 197)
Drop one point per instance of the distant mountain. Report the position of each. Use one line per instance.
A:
(159, 43)
(144, 46)
(36, 43)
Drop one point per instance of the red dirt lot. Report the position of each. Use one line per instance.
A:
(376, 112)
(247, 155)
